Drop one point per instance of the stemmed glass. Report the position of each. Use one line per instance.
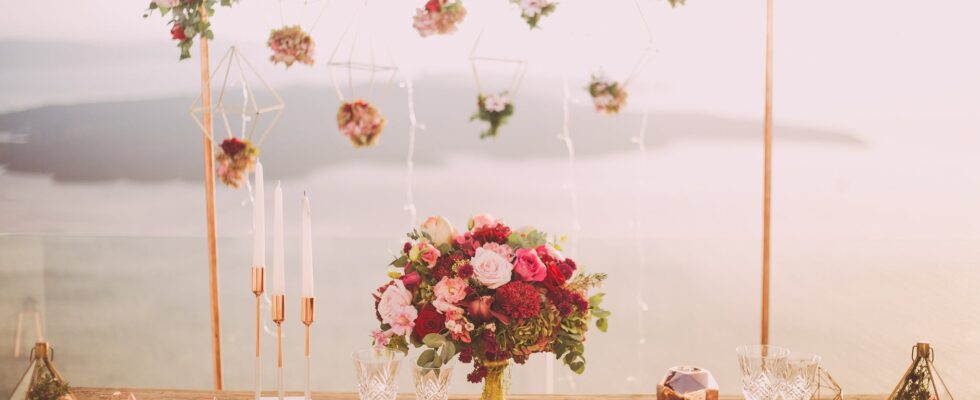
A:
(762, 368)
(798, 380)
(377, 371)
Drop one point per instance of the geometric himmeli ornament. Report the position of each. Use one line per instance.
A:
(235, 70)
(358, 117)
(495, 105)
(239, 116)
(921, 380)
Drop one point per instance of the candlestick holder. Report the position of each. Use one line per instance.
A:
(279, 315)
(306, 315)
(258, 287)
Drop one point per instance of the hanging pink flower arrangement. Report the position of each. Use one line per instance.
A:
(439, 17)
(361, 122)
(495, 110)
(533, 10)
(289, 45)
(236, 158)
(608, 96)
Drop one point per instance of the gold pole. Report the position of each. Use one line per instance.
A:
(209, 205)
(767, 180)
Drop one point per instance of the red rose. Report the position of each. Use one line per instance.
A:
(428, 321)
(556, 276)
(433, 6)
(177, 32)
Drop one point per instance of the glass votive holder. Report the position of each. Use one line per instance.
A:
(377, 373)
(432, 383)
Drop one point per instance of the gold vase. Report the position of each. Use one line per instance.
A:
(497, 382)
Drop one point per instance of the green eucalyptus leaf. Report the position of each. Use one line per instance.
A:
(602, 324)
(448, 351)
(433, 340)
(425, 359)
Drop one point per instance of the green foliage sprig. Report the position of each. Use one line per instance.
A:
(186, 20)
(47, 388)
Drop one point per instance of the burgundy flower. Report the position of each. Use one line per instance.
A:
(518, 300)
(479, 309)
(411, 280)
(232, 146)
(444, 265)
(407, 247)
(479, 372)
(177, 32)
(466, 355)
(498, 233)
(465, 271)
(428, 321)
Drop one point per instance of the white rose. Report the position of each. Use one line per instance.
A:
(392, 299)
(490, 268)
(439, 229)
(167, 3)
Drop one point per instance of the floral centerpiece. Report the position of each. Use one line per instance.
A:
(491, 295)
(236, 159)
(533, 10)
(186, 21)
(361, 122)
(439, 17)
(290, 44)
(608, 96)
(493, 109)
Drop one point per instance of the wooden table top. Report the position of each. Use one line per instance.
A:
(174, 394)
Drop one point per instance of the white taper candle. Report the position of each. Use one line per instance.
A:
(278, 253)
(258, 219)
(307, 272)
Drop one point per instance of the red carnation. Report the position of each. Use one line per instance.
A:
(232, 146)
(428, 321)
(177, 32)
(518, 300)
(433, 6)
(498, 233)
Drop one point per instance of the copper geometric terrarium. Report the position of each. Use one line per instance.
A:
(921, 381)
(42, 380)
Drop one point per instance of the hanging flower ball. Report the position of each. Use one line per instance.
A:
(533, 10)
(236, 159)
(439, 17)
(290, 44)
(608, 96)
(361, 122)
(493, 109)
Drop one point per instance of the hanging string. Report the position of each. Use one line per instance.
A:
(647, 49)
(566, 137)
(641, 304)
(410, 163)
(282, 19)
(326, 4)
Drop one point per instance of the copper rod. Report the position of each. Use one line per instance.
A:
(209, 204)
(767, 180)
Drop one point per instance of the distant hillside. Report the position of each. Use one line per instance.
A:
(151, 140)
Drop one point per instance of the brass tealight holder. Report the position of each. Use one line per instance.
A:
(278, 316)
(258, 287)
(306, 315)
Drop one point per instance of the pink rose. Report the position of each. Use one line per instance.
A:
(529, 266)
(402, 320)
(504, 250)
(439, 229)
(392, 299)
(480, 220)
(428, 253)
(449, 291)
(411, 279)
(490, 268)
